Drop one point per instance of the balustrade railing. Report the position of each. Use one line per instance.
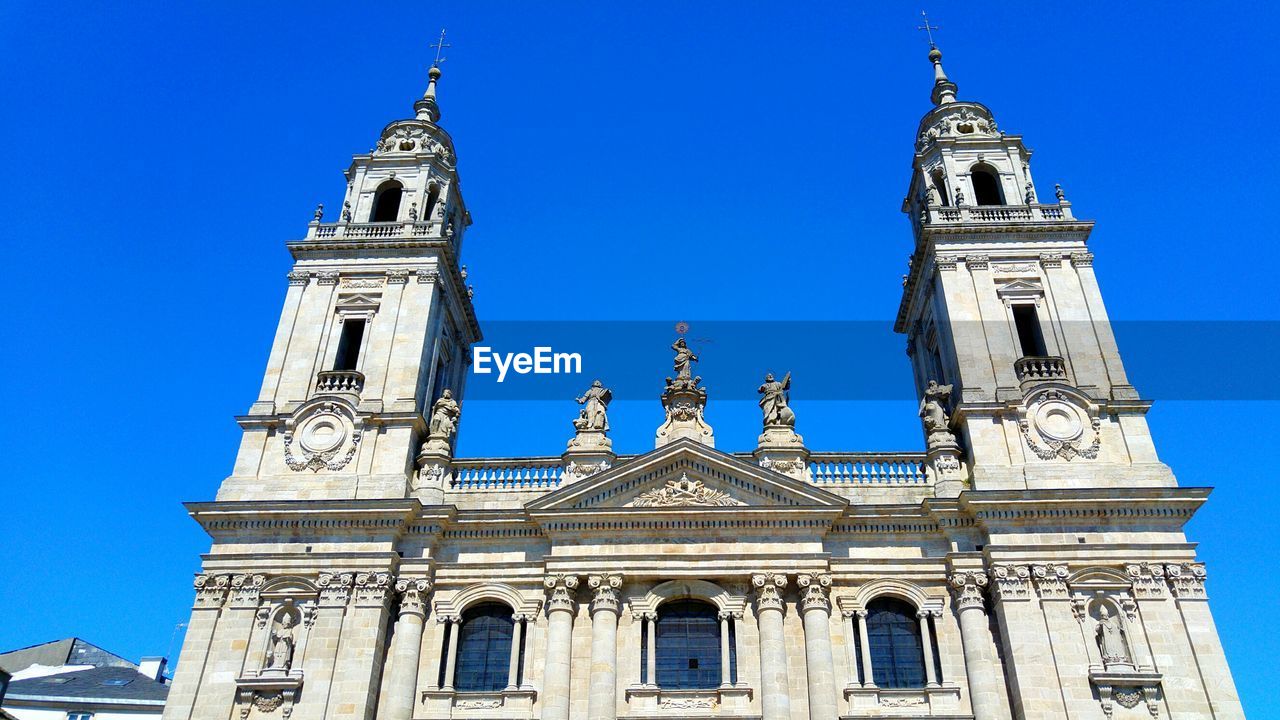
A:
(339, 381)
(1040, 368)
(507, 473)
(867, 469)
(998, 213)
(372, 230)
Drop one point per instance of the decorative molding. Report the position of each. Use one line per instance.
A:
(562, 588)
(413, 595)
(1056, 424)
(299, 277)
(335, 587)
(1014, 267)
(328, 277)
(397, 277)
(1051, 260)
(245, 589)
(604, 589)
(1186, 580)
(211, 590)
(768, 587)
(946, 262)
(968, 588)
(1148, 580)
(1050, 580)
(427, 276)
(976, 262)
(684, 493)
(813, 587)
(373, 588)
(1010, 582)
(1082, 259)
(361, 283)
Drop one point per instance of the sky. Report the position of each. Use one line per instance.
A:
(651, 162)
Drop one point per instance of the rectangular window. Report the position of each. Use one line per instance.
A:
(1029, 336)
(79, 716)
(348, 357)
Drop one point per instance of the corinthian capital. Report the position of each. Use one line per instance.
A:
(562, 589)
(1050, 580)
(211, 590)
(1186, 580)
(1011, 582)
(373, 588)
(413, 595)
(968, 588)
(335, 587)
(813, 588)
(604, 591)
(245, 589)
(769, 588)
(1147, 578)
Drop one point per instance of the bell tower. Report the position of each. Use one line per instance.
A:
(377, 324)
(1001, 304)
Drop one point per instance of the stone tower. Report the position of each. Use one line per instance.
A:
(1002, 305)
(377, 324)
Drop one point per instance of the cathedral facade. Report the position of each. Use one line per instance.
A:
(1028, 562)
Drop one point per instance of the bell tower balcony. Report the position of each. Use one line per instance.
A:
(1033, 370)
(340, 382)
(430, 229)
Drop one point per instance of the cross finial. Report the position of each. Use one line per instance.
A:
(928, 28)
(440, 46)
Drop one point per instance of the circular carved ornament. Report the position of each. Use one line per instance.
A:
(1059, 420)
(322, 432)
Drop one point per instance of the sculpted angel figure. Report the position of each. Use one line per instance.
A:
(684, 360)
(773, 401)
(1111, 638)
(444, 416)
(932, 406)
(595, 402)
(280, 654)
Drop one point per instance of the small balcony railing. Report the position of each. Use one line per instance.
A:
(1033, 213)
(1040, 368)
(374, 230)
(329, 382)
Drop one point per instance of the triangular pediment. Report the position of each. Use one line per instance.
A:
(682, 476)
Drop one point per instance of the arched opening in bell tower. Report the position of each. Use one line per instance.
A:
(986, 185)
(386, 203)
(940, 186)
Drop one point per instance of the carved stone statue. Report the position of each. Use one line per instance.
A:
(444, 416)
(280, 654)
(1111, 639)
(932, 407)
(413, 212)
(319, 213)
(1057, 191)
(684, 360)
(346, 212)
(1030, 194)
(773, 401)
(959, 197)
(595, 402)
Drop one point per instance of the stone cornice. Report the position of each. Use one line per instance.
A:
(1149, 506)
(323, 517)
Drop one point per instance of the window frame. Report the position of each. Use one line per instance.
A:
(496, 656)
(670, 656)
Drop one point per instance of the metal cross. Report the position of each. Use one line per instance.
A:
(439, 45)
(928, 28)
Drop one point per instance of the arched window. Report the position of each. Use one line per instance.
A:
(986, 186)
(386, 204)
(484, 648)
(940, 187)
(688, 646)
(897, 654)
(433, 197)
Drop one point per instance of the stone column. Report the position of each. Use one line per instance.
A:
(602, 693)
(228, 650)
(868, 677)
(556, 673)
(849, 646)
(775, 689)
(513, 669)
(975, 636)
(454, 625)
(726, 671)
(649, 622)
(819, 663)
(211, 592)
(406, 645)
(926, 642)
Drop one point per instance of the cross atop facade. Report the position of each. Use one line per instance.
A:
(926, 27)
(439, 45)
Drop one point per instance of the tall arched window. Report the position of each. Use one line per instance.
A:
(433, 197)
(897, 654)
(940, 187)
(484, 648)
(688, 646)
(386, 204)
(986, 186)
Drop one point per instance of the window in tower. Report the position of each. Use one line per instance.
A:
(1030, 337)
(484, 648)
(688, 646)
(940, 188)
(433, 197)
(348, 355)
(386, 204)
(986, 185)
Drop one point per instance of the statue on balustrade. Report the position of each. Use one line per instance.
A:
(280, 653)
(933, 413)
(444, 416)
(594, 414)
(773, 402)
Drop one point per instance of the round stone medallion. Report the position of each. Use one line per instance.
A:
(1057, 420)
(322, 433)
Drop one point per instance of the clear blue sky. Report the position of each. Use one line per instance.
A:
(158, 155)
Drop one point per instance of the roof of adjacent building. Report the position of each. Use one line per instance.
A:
(96, 684)
(68, 651)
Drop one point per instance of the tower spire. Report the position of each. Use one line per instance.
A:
(427, 108)
(944, 91)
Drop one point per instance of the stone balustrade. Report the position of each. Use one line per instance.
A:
(373, 230)
(1040, 368)
(507, 473)
(1034, 213)
(329, 382)
(867, 469)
